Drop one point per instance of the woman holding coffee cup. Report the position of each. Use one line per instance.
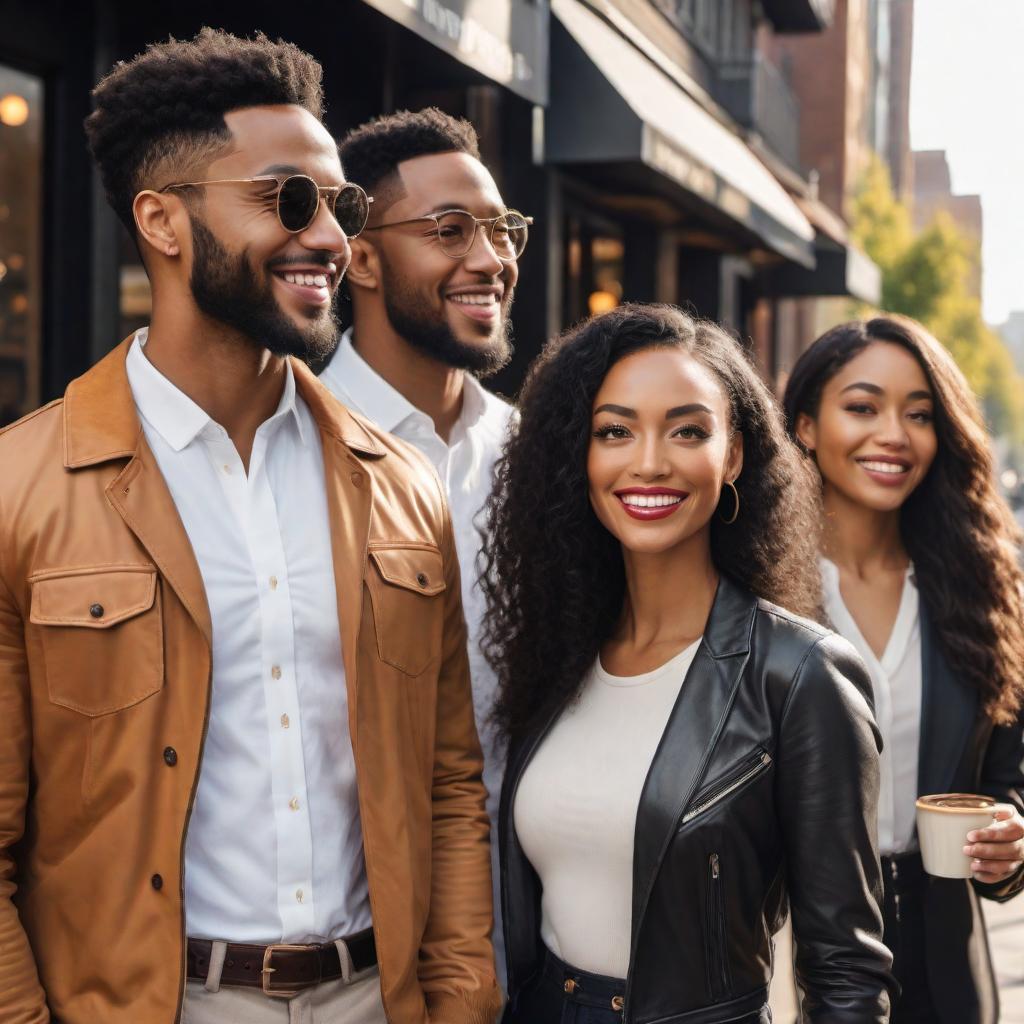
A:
(686, 757)
(920, 573)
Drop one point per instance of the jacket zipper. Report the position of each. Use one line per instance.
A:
(729, 785)
(718, 967)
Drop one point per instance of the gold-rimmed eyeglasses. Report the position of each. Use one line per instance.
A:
(456, 232)
(297, 199)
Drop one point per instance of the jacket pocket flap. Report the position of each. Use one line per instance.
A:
(93, 598)
(417, 568)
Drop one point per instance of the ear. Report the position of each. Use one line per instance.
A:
(806, 431)
(734, 463)
(364, 267)
(154, 220)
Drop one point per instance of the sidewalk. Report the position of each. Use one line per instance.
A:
(1006, 937)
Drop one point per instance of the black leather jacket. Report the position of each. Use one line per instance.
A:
(764, 788)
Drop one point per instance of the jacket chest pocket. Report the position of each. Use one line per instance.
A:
(101, 632)
(406, 586)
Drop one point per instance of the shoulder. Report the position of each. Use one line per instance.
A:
(808, 661)
(30, 444)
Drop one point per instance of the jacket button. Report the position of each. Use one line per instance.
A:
(157, 882)
(170, 756)
(421, 579)
(357, 479)
(96, 611)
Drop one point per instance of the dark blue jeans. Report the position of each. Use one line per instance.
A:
(561, 994)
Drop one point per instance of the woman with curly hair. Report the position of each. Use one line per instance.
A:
(921, 575)
(685, 755)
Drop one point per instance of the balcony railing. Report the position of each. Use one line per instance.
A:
(757, 94)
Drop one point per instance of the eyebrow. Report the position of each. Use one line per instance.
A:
(874, 389)
(679, 410)
(281, 169)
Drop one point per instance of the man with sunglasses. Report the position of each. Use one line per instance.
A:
(235, 708)
(431, 285)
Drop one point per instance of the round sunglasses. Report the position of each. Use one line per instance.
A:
(297, 200)
(456, 231)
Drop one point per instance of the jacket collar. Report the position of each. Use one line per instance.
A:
(101, 422)
(694, 726)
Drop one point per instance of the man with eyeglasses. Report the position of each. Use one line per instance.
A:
(431, 284)
(235, 707)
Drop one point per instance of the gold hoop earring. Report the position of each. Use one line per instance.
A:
(736, 496)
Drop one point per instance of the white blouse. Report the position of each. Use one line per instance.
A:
(896, 681)
(576, 806)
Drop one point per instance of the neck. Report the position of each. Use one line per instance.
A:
(234, 382)
(431, 386)
(861, 539)
(668, 596)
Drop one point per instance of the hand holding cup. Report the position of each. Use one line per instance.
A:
(997, 851)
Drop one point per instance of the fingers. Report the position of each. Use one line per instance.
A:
(990, 872)
(1008, 829)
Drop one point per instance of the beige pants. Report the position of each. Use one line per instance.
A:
(355, 1000)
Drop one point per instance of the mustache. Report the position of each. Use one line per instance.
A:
(320, 257)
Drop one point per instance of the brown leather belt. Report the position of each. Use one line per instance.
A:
(281, 969)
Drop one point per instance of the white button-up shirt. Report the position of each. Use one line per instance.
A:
(896, 682)
(464, 465)
(274, 846)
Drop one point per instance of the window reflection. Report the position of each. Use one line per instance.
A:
(21, 171)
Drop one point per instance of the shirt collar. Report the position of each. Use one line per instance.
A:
(174, 416)
(359, 385)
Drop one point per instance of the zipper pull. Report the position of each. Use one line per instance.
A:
(715, 869)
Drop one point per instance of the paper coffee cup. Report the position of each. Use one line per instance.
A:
(943, 821)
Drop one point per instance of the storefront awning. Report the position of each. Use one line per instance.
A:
(609, 103)
(506, 40)
(841, 269)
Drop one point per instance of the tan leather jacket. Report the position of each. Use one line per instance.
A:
(92, 815)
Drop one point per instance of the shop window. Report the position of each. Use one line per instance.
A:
(21, 172)
(594, 266)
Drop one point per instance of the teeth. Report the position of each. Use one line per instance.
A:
(475, 300)
(883, 467)
(309, 280)
(651, 500)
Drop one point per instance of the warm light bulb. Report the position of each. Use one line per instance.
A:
(13, 110)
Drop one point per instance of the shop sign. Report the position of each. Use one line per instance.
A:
(506, 40)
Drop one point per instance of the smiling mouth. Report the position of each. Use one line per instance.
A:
(649, 505)
(893, 469)
(312, 286)
(482, 306)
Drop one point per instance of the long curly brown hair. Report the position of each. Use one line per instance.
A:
(554, 576)
(956, 528)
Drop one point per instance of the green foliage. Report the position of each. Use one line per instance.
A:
(927, 276)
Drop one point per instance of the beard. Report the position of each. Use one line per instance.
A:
(227, 288)
(433, 335)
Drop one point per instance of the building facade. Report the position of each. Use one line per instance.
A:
(660, 146)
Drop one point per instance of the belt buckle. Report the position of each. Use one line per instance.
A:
(268, 970)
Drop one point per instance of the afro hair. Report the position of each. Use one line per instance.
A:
(164, 109)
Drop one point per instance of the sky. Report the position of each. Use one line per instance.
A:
(967, 97)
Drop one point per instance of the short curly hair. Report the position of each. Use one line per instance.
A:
(163, 111)
(554, 577)
(371, 153)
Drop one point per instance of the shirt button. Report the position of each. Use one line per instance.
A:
(276, 671)
(285, 721)
(294, 803)
(157, 882)
(273, 583)
(298, 895)
(170, 756)
(226, 468)
(96, 611)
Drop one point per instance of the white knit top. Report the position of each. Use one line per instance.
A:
(575, 810)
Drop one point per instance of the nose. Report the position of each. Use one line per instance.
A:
(892, 430)
(651, 462)
(325, 234)
(482, 257)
